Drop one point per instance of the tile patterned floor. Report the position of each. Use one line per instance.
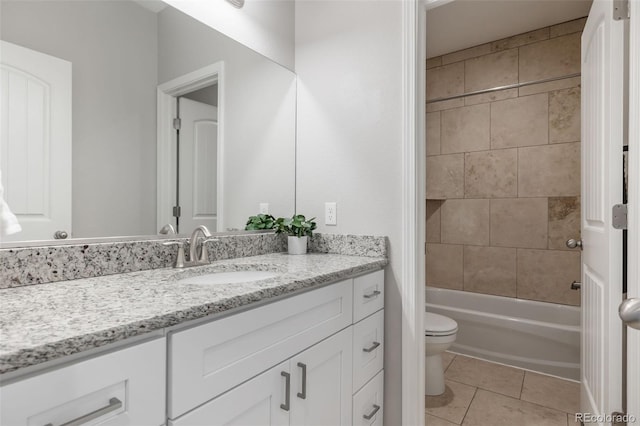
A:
(481, 393)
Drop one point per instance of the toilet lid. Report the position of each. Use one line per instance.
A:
(438, 325)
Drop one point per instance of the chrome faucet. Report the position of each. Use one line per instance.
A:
(198, 254)
(198, 250)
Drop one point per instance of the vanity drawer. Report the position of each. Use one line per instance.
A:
(368, 349)
(207, 360)
(368, 295)
(368, 403)
(126, 385)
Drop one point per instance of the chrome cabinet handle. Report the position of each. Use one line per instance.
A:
(375, 293)
(303, 394)
(574, 243)
(287, 391)
(629, 312)
(114, 404)
(371, 348)
(372, 413)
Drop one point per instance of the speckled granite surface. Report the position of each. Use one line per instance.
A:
(357, 245)
(37, 265)
(40, 323)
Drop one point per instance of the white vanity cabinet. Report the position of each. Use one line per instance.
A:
(314, 358)
(125, 387)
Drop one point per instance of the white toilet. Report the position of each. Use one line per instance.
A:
(439, 335)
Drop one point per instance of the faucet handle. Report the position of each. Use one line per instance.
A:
(204, 254)
(180, 258)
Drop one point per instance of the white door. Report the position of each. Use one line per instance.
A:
(633, 254)
(259, 402)
(198, 173)
(321, 383)
(35, 141)
(602, 133)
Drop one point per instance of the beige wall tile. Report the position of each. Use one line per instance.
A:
(444, 266)
(433, 133)
(564, 221)
(577, 25)
(489, 174)
(465, 222)
(520, 122)
(519, 222)
(520, 39)
(490, 270)
(445, 81)
(551, 58)
(546, 275)
(445, 176)
(443, 105)
(465, 129)
(551, 392)
(486, 375)
(549, 171)
(489, 71)
(564, 115)
(491, 97)
(489, 408)
(533, 89)
(433, 221)
(472, 52)
(434, 62)
(453, 404)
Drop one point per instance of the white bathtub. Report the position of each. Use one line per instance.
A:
(538, 336)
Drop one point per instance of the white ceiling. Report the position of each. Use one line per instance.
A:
(459, 24)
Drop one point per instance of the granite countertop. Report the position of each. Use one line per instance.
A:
(44, 322)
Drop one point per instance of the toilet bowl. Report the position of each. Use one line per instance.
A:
(439, 335)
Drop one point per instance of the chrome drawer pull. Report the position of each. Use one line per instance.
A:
(114, 404)
(371, 414)
(371, 348)
(371, 295)
(303, 394)
(287, 391)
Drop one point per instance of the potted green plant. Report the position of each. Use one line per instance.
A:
(298, 229)
(259, 222)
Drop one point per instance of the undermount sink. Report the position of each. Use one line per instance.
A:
(229, 277)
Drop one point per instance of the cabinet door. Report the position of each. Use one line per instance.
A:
(321, 380)
(259, 402)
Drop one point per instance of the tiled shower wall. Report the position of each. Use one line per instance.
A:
(503, 168)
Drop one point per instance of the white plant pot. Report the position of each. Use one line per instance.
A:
(297, 245)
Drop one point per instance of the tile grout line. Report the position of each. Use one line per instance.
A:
(475, 392)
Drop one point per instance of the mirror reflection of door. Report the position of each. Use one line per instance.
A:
(35, 95)
(198, 160)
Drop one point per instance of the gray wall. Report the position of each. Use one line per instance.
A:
(113, 48)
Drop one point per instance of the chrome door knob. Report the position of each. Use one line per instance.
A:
(629, 312)
(574, 243)
(60, 235)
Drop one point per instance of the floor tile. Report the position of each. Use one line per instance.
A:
(447, 357)
(551, 392)
(453, 404)
(486, 375)
(490, 408)
(436, 421)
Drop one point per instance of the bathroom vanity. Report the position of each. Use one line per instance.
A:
(303, 347)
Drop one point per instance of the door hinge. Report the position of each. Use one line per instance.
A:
(619, 216)
(177, 211)
(177, 123)
(621, 10)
